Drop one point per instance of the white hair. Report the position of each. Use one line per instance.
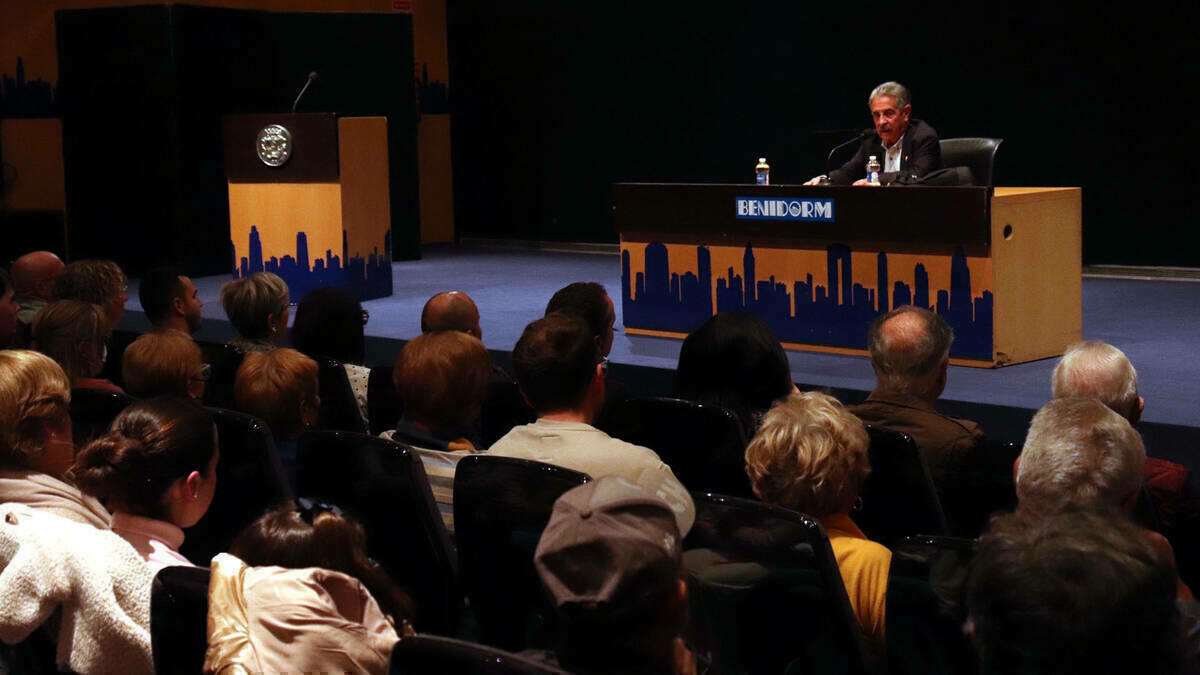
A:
(1097, 370)
(1079, 451)
(897, 91)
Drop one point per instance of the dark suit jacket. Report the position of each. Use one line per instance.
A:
(919, 155)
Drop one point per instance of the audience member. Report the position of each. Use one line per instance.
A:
(451, 310)
(156, 470)
(442, 378)
(99, 282)
(1072, 592)
(910, 353)
(75, 333)
(560, 372)
(810, 455)
(165, 363)
(312, 534)
(329, 322)
(589, 301)
(734, 360)
(33, 276)
(610, 561)
(36, 448)
(280, 388)
(170, 301)
(10, 332)
(257, 306)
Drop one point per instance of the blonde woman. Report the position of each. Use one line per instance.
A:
(75, 333)
(257, 306)
(810, 455)
(164, 364)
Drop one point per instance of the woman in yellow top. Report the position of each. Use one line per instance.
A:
(810, 455)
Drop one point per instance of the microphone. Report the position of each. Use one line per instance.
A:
(862, 136)
(311, 78)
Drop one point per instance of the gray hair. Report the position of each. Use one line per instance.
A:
(894, 89)
(1079, 451)
(904, 359)
(1098, 370)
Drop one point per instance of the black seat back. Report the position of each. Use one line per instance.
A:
(339, 410)
(898, 497)
(250, 480)
(225, 360)
(93, 411)
(384, 406)
(501, 506)
(382, 484)
(703, 444)
(977, 154)
(179, 620)
(925, 607)
(117, 342)
(503, 408)
(431, 654)
(982, 487)
(766, 593)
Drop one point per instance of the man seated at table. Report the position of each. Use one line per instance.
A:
(904, 145)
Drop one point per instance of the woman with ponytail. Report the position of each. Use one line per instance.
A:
(156, 470)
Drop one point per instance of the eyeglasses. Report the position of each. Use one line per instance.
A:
(604, 364)
(204, 374)
(366, 316)
(311, 508)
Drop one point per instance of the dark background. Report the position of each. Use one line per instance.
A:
(554, 102)
(142, 93)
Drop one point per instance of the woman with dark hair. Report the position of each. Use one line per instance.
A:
(157, 470)
(329, 322)
(311, 534)
(734, 360)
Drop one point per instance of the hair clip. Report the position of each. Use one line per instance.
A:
(310, 508)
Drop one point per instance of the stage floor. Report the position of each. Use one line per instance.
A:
(1152, 321)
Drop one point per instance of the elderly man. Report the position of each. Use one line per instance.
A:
(451, 310)
(910, 353)
(559, 370)
(903, 145)
(33, 276)
(170, 301)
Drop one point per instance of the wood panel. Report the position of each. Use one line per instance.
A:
(366, 201)
(33, 155)
(279, 211)
(437, 190)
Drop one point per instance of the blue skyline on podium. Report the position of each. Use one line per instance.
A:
(367, 278)
(837, 314)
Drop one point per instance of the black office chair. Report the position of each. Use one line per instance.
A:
(382, 484)
(977, 154)
(93, 411)
(925, 608)
(179, 620)
(225, 360)
(384, 406)
(501, 506)
(898, 497)
(703, 444)
(250, 481)
(765, 591)
(981, 487)
(448, 656)
(339, 410)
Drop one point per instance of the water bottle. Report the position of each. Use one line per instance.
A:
(873, 170)
(762, 172)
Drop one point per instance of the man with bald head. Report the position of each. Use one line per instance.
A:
(910, 353)
(33, 276)
(451, 310)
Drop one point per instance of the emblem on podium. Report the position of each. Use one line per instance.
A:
(274, 145)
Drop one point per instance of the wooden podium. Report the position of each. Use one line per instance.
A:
(309, 200)
(1003, 267)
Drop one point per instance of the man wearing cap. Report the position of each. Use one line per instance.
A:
(610, 559)
(559, 369)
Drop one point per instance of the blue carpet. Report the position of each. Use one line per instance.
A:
(1153, 321)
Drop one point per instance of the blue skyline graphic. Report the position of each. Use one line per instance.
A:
(21, 98)
(367, 278)
(836, 314)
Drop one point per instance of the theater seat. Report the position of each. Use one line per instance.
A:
(429, 654)
(977, 154)
(765, 592)
(339, 410)
(179, 620)
(898, 497)
(382, 484)
(703, 444)
(926, 609)
(93, 411)
(982, 487)
(250, 480)
(501, 506)
(384, 406)
(225, 360)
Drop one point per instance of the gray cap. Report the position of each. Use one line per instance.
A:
(609, 543)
